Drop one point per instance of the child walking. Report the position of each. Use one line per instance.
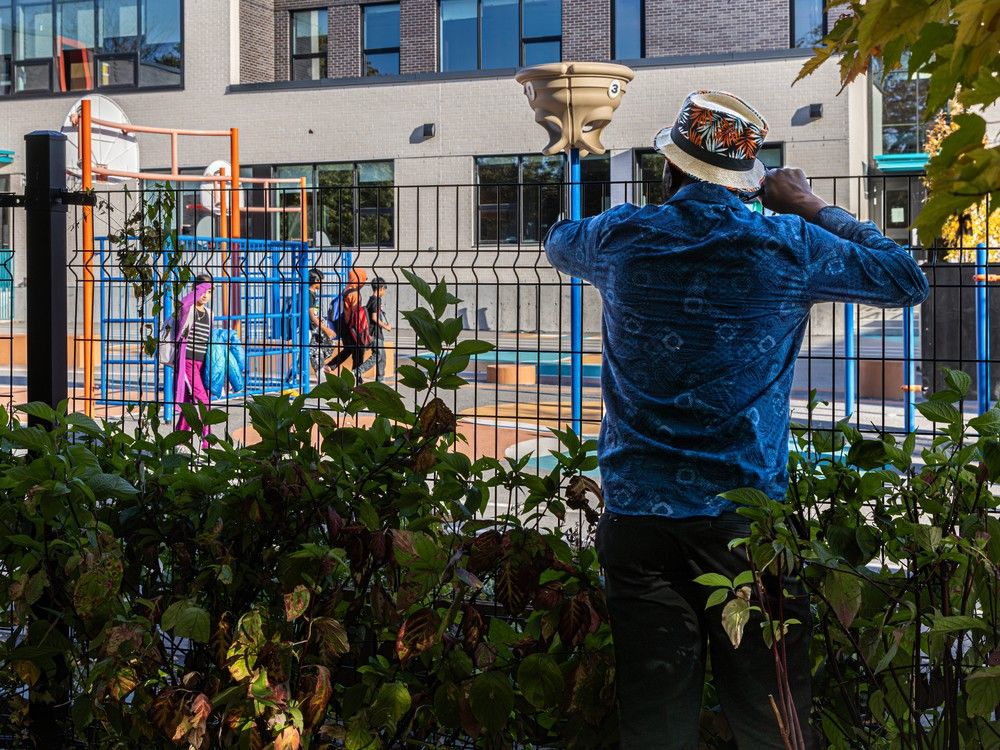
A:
(379, 325)
(194, 334)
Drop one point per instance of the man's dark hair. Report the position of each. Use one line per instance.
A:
(315, 276)
(674, 179)
(379, 283)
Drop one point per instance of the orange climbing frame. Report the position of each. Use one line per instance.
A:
(85, 121)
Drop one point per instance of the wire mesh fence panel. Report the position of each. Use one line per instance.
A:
(278, 324)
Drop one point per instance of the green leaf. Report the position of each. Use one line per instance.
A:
(109, 485)
(472, 347)
(843, 591)
(187, 620)
(540, 680)
(937, 411)
(958, 380)
(717, 597)
(983, 688)
(958, 623)
(988, 423)
(868, 454)
(391, 704)
(40, 410)
(421, 286)
(714, 579)
(492, 700)
(426, 329)
(747, 496)
(928, 537)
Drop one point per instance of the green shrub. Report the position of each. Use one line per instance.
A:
(324, 587)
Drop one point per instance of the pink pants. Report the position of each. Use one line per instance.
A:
(194, 393)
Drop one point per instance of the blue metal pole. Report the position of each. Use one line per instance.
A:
(909, 372)
(576, 300)
(168, 371)
(850, 359)
(982, 331)
(304, 356)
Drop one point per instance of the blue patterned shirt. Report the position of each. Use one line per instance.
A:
(705, 307)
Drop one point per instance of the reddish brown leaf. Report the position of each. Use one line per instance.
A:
(331, 637)
(576, 496)
(473, 626)
(296, 603)
(485, 551)
(548, 596)
(418, 634)
(424, 461)
(314, 692)
(578, 619)
(288, 739)
(436, 419)
(167, 711)
(516, 584)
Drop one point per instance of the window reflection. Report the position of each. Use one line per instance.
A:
(83, 45)
(491, 34)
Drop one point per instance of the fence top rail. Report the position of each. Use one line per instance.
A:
(130, 128)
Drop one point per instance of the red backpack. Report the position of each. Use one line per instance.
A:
(357, 323)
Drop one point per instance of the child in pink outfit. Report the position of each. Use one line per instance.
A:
(194, 334)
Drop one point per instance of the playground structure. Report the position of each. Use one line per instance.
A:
(263, 269)
(575, 102)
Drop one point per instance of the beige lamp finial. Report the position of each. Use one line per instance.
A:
(574, 101)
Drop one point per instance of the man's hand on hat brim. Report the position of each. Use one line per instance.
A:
(787, 191)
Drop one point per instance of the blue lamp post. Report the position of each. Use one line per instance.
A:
(574, 102)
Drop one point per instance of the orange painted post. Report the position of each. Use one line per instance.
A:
(236, 231)
(84, 136)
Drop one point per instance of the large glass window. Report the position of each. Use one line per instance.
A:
(353, 204)
(309, 29)
(904, 130)
(6, 45)
(83, 45)
(491, 34)
(628, 27)
(808, 22)
(381, 40)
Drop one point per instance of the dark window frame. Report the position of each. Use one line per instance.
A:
(293, 56)
(520, 200)
(355, 188)
(642, 30)
(791, 23)
(365, 51)
(11, 62)
(522, 39)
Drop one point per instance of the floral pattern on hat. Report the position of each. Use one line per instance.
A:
(719, 132)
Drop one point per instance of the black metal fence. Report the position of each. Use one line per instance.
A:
(868, 366)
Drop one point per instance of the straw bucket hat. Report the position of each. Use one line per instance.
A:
(716, 139)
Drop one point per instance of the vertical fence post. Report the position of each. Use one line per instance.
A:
(47, 328)
(47, 331)
(850, 359)
(982, 331)
(576, 301)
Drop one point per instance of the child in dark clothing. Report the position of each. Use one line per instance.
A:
(377, 322)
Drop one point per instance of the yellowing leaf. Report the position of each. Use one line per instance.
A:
(735, 616)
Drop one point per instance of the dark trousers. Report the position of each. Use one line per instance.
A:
(663, 633)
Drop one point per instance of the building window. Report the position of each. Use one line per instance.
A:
(520, 197)
(808, 22)
(488, 34)
(353, 204)
(85, 45)
(903, 99)
(309, 29)
(628, 27)
(649, 172)
(381, 40)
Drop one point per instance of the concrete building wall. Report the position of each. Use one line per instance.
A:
(482, 114)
